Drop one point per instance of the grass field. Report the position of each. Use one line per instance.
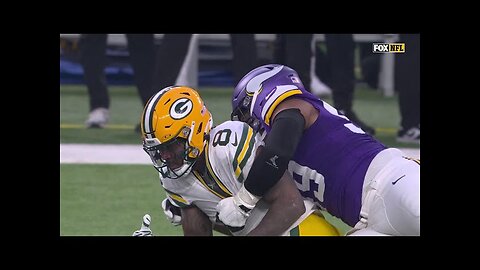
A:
(111, 199)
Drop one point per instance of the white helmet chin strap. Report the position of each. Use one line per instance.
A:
(183, 170)
(177, 173)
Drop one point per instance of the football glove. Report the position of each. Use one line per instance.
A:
(173, 213)
(145, 228)
(234, 211)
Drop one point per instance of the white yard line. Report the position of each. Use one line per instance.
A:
(127, 154)
(103, 154)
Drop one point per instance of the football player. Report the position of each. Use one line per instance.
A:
(200, 165)
(334, 163)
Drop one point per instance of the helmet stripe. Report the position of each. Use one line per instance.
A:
(148, 112)
(254, 84)
(281, 93)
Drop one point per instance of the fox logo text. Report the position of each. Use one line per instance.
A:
(388, 47)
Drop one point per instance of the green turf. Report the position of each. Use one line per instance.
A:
(110, 200)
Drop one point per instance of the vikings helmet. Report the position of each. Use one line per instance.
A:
(266, 77)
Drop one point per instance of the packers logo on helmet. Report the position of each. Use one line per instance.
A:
(181, 108)
(175, 115)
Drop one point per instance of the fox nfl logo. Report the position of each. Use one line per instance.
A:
(388, 47)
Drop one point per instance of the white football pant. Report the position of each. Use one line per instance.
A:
(391, 196)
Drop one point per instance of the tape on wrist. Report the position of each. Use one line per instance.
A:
(246, 198)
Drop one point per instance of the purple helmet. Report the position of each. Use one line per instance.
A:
(266, 77)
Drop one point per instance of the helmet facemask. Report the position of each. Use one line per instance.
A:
(242, 113)
(178, 149)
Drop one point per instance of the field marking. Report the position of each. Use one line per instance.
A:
(127, 154)
(109, 126)
(386, 130)
(103, 154)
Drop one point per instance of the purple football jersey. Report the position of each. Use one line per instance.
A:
(332, 157)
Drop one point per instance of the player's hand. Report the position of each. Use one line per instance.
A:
(232, 213)
(145, 228)
(173, 213)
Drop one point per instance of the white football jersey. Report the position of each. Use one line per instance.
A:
(229, 155)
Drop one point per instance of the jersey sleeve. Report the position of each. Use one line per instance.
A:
(266, 103)
(231, 153)
(244, 153)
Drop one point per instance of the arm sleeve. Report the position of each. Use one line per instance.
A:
(280, 146)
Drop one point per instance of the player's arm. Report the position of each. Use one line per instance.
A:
(286, 206)
(195, 222)
(289, 119)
